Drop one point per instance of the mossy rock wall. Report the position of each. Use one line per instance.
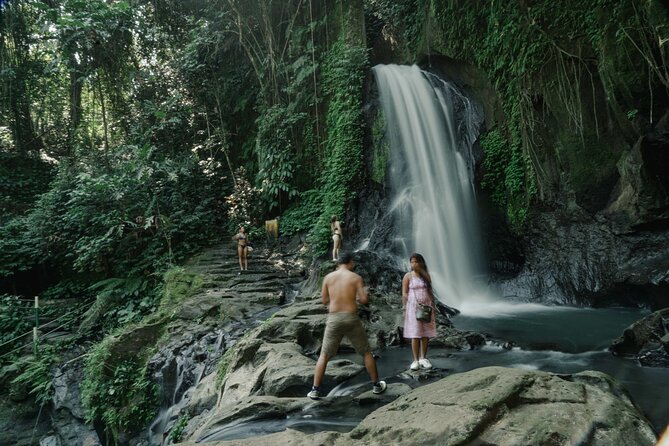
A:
(571, 88)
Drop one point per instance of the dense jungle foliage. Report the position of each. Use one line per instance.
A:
(133, 133)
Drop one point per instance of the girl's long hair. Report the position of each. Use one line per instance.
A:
(423, 270)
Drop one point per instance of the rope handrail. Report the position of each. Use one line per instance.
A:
(16, 349)
(41, 326)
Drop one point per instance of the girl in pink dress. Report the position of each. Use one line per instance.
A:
(417, 288)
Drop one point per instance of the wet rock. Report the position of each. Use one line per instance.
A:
(9, 372)
(199, 307)
(73, 431)
(393, 391)
(51, 440)
(458, 340)
(494, 405)
(66, 391)
(22, 424)
(591, 261)
(646, 340)
(204, 395)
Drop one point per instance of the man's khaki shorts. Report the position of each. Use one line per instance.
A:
(340, 325)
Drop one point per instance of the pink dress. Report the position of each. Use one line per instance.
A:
(414, 328)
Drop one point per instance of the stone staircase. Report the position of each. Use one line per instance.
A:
(212, 320)
(268, 280)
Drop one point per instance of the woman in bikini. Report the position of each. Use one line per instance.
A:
(335, 227)
(417, 288)
(242, 248)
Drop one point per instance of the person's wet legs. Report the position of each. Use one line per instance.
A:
(370, 365)
(319, 372)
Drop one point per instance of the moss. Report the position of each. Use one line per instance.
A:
(381, 149)
(116, 389)
(224, 365)
(179, 285)
(590, 163)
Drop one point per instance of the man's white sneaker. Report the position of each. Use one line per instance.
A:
(425, 363)
(415, 365)
(314, 394)
(379, 387)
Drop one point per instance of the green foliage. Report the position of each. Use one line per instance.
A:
(117, 391)
(224, 364)
(589, 160)
(381, 150)
(119, 301)
(497, 158)
(22, 180)
(276, 155)
(19, 249)
(243, 201)
(177, 431)
(343, 77)
(302, 215)
(178, 286)
(505, 176)
(117, 224)
(405, 19)
(14, 322)
(36, 375)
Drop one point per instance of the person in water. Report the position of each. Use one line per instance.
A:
(335, 227)
(417, 288)
(242, 240)
(341, 289)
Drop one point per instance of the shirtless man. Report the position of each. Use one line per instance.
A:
(339, 293)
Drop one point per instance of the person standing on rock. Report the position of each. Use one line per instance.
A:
(335, 227)
(341, 289)
(242, 240)
(417, 289)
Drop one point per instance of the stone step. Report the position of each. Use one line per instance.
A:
(228, 265)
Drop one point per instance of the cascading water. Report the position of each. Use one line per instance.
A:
(431, 126)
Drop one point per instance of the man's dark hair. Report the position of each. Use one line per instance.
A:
(344, 258)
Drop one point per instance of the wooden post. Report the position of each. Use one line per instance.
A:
(36, 325)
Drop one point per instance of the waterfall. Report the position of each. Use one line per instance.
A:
(431, 127)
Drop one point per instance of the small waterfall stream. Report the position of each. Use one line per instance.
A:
(179, 369)
(431, 126)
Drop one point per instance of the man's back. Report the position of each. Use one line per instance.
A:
(340, 289)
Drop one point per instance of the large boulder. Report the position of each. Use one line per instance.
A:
(591, 261)
(646, 340)
(495, 405)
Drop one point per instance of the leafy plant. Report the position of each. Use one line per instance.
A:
(242, 203)
(302, 215)
(177, 431)
(14, 323)
(117, 391)
(343, 77)
(36, 375)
